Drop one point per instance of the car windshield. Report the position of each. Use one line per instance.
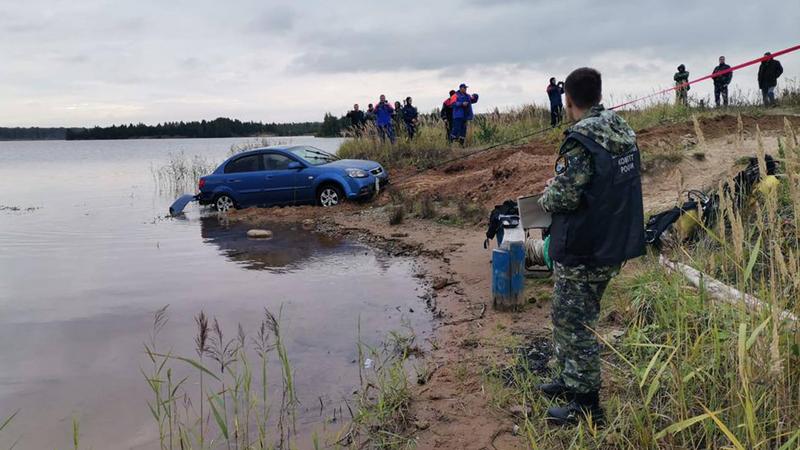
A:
(314, 155)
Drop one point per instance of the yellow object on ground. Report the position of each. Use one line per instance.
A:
(768, 186)
(687, 223)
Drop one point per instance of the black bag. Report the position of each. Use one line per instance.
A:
(743, 184)
(507, 212)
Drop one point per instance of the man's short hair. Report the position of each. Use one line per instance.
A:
(584, 86)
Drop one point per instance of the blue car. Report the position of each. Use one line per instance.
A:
(289, 175)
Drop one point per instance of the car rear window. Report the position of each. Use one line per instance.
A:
(244, 164)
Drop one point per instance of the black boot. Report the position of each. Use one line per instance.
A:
(555, 389)
(582, 406)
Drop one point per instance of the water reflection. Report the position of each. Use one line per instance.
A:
(290, 247)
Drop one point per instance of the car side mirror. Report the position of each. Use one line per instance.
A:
(294, 165)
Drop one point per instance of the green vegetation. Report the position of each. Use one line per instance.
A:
(32, 133)
(514, 126)
(217, 128)
(685, 370)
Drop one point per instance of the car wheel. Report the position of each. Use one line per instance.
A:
(224, 203)
(329, 195)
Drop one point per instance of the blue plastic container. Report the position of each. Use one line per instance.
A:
(508, 275)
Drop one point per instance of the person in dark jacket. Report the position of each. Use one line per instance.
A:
(461, 102)
(722, 81)
(383, 119)
(768, 73)
(555, 91)
(681, 88)
(357, 119)
(410, 117)
(595, 199)
(447, 116)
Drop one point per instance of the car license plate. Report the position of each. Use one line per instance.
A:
(377, 185)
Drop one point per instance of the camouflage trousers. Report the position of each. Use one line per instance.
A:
(576, 307)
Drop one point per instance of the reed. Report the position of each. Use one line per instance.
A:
(688, 372)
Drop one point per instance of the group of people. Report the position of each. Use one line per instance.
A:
(385, 116)
(456, 113)
(768, 73)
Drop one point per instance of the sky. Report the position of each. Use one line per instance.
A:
(100, 62)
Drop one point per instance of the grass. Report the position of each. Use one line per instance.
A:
(430, 147)
(233, 408)
(182, 172)
(690, 372)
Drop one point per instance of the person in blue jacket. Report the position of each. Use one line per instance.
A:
(461, 102)
(383, 119)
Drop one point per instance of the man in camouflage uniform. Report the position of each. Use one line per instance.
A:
(682, 89)
(596, 202)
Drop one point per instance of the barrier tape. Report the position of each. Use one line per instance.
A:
(712, 75)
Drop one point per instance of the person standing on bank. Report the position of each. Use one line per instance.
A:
(554, 92)
(461, 102)
(721, 82)
(447, 116)
(768, 73)
(595, 200)
(681, 88)
(410, 117)
(383, 119)
(357, 119)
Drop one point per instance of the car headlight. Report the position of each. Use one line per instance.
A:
(356, 173)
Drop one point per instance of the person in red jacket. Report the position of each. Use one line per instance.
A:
(461, 102)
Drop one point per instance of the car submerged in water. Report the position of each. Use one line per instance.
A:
(289, 175)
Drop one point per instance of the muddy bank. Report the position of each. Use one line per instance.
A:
(454, 409)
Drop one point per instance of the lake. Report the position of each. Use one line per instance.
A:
(88, 255)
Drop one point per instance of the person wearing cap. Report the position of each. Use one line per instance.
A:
(768, 73)
(681, 88)
(461, 102)
(721, 81)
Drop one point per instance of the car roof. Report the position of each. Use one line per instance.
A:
(283, 148)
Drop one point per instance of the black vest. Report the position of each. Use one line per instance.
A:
(608, 226)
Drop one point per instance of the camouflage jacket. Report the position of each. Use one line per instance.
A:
(574, 170)
(681, 78)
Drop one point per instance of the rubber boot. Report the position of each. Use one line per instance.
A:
(555, 389)
(582, 406)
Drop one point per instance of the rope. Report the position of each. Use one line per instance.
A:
(663, 91)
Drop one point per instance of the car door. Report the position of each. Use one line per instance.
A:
(244, 177)
(279, 180)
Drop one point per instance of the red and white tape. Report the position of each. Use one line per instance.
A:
(713, 75)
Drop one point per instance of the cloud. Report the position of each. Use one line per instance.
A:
(275, 20)
(278, 60)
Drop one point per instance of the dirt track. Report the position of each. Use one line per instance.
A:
(453, 409)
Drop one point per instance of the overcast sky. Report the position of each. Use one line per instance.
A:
(98, 62)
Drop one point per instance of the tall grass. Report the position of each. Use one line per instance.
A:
(430, 147)
(182, 172)
(690, 372)
(228, 397)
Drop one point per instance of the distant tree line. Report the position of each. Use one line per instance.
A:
(32, 134)
(217, 128)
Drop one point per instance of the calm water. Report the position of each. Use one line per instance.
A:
(88, 257)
